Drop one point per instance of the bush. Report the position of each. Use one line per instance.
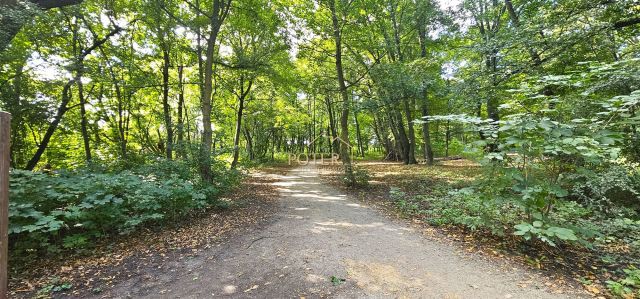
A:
(72, 208)
(361, 176)
(467, 208)
(627, 287)
(439, 147)
(606, 189)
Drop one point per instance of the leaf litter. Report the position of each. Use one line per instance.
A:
(145, 251)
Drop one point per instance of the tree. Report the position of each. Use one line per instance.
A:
(217, 15)
(15, 14)
(345, 145)
(66, 98)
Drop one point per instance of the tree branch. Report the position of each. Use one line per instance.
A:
(626, 23)
(49, 4)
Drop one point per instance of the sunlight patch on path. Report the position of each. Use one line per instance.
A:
(383, 278)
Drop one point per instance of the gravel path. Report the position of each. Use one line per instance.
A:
(320, 233)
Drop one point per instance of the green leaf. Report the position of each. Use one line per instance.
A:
(563, 233)
(537, 223)
(522, 228)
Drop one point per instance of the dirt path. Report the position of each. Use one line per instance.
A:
(320, 233)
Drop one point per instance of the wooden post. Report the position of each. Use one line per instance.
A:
(5, 137)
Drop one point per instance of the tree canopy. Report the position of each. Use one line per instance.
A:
(544, 93)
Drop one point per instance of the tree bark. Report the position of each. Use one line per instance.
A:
(358, 134)
(397, 144)
(236, 140)
(396, 32)
(180, 125)
(345, 145)
(411, 157)
(333, 143)
(249, 138)
(165, 100)
(378, 133)
(426, 136)
(79, 70)
(17, 138)
(408, 138)
(402, 137)
(217, 16)
(62, 109)
(83, 116)
(626, 23)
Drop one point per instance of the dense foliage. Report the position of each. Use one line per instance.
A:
(71, 209)
(544, 95)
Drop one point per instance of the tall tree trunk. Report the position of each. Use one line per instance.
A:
(249, 139)
(96, 126)
(426, 136)
(188, 127)
(488, 31)
(165, 100)
(83, 116)
(402, 136)
(408, 138)
(428, 150)
(121, 121)
(217, 16)
(273, 143)
(313, 125)
(236, 140)
(397, 144)
(345, 145)
(62, 109)
(396, 31)
(14, 105)
(180, 125)
(411, 157)
(333, 141)
(79, 69)
(377, 133)
(358, 134)
(200, 54)
(493, 100)
(378, 128)
(447, 137)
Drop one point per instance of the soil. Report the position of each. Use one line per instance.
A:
(321, 242)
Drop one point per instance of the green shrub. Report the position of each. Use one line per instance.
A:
(545, 232)
(467, 208)
(71, 208)
(396, 194)
(627, 287)
(606, 189)
(361, 176)
(618, 230)
(439, 147)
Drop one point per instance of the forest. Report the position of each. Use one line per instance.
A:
(135, 114)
